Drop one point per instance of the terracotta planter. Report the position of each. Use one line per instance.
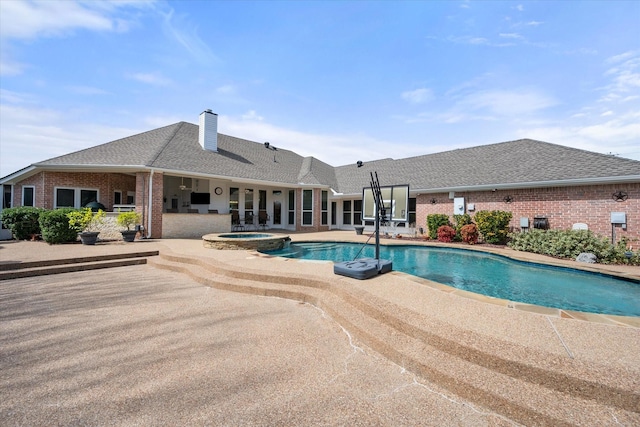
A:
(89, 237)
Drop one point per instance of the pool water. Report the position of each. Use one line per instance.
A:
(492, 275)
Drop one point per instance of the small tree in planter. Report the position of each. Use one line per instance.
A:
(85, 222)
(129, 220)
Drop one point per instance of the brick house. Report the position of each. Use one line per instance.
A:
(173, 173)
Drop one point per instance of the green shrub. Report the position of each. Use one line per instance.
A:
(461, 221)
(493, 225)
(85, 219)
(469, 234)
(128, 219)
(22, 221)
(446, 233)
(571, 243)
(435, 221)
(55, 226)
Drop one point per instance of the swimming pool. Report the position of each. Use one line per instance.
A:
(492, 275)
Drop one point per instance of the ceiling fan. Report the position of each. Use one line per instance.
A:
(182, 186)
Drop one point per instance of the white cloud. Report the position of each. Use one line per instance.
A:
(186, 35)
(418, 96)
(510, 35)
(506, 102)
(335, 150)
(155, 79)
(31, 134)
(226, 89)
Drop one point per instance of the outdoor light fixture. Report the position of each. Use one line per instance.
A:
(620, 196)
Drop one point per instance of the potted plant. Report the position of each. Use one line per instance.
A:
(86, 224)
(129, 220)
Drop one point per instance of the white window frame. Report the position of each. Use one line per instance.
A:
(76, 195)
(307, 210)
(33, 187)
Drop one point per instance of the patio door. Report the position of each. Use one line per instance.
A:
(277, 212)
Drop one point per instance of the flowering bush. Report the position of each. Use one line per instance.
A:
(446, 233)
(469, 234)
(434, 221)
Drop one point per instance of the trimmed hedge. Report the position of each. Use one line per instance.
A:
(22, 221)
(55, 226)
(493, 225)
(571, 243)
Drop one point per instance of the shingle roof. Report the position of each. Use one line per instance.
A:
(523, 162)
(176, 148)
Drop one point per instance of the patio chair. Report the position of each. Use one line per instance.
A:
(263, 219)
(249, 218)
(236, 225)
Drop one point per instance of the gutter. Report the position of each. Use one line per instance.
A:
(150, 202)
(536, 184)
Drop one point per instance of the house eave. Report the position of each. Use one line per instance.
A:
(533, 184)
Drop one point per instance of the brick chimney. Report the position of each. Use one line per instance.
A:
(208, 132)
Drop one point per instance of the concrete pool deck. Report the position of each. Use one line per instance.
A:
(473, 360)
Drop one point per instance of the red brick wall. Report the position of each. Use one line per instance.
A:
(563, 206)
(317, 212)
(45, 183)
(142, 201)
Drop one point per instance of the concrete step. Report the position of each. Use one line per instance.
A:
(66, 265)
(433, 353)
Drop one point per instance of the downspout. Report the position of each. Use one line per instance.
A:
(150, 204)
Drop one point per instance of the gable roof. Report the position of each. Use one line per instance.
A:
(176, 148)
(513, 164)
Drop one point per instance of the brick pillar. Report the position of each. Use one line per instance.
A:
(142, 202)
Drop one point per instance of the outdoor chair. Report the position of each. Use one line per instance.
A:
(263, 219)
(236, 225)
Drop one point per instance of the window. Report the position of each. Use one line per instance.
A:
(28, 196)
(65, 198)
(325, 208)
(117, 197)
(307, 207)
(291, 207)
(74, 197)
(7, 192)
(346, 212)
(357, 212)
(248, 200)
(88, 196)
(234, 197)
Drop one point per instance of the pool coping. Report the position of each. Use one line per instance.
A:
(611, 319)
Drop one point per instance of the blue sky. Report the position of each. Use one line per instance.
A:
(341, 81)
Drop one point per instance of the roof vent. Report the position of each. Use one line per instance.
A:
(266, 144)
(208, 132)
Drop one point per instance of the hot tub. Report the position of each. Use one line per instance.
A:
(245, 241)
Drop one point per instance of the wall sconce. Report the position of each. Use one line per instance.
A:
(508, 199)
(620, 196)
(433, 201)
